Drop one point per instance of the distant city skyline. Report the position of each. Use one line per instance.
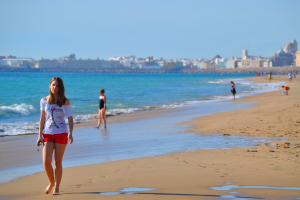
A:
(169, 28)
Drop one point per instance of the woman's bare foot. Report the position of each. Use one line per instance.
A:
(56, 192)
(96, 127)
(48, 188)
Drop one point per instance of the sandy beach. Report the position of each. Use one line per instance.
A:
(194, 174)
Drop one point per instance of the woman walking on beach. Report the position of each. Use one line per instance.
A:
(233, 89)
(102, 108)
(53, 132)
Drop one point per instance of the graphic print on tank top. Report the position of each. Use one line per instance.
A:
(57, 116)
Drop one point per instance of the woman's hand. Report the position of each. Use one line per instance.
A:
(41, 128)
(39, 140)
(70, 138)
(71, 125)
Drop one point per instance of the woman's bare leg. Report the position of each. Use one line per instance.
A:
(58, 156)
(47, 160)
(99, 121)
(100, 117)
(103, 117)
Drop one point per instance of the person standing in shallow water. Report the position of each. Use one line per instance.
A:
(53, 132)
(233, 89)
(102, 108)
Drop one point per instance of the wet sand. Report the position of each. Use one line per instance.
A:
(127, 117)
(190, 175)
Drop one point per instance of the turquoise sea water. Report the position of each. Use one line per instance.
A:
(21, 94)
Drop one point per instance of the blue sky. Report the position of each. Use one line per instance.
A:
(162, 28)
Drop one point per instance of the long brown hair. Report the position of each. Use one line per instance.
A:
(61, 92)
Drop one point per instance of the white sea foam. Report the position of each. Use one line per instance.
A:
(110, 112)
(123, 110)
(220, 81)
(24, 109)
(18, 128)
(86, 117)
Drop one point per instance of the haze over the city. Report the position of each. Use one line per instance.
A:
(168, 28)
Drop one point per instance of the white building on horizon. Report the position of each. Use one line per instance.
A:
(18, 62)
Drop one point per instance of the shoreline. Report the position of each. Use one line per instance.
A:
(114, 119)
(113, 116)
(152, 113)
(193, 173)
(263, 105)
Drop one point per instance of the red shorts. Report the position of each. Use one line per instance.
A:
(61, 138)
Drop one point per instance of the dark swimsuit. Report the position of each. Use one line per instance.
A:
(101, 104)
(233, 90)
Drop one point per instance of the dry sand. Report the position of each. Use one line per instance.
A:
(189, 175)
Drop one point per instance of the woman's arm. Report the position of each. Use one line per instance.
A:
(71, 124)
(41, 128)
(104, 102)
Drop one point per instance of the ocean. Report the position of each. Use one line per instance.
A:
(125, 93)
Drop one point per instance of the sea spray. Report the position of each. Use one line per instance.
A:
(23, 109)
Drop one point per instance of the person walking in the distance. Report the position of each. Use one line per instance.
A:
(290, 76)
(102, 108)
(233, 89)
(53, 132)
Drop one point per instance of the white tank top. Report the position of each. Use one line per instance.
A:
(55, 117)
